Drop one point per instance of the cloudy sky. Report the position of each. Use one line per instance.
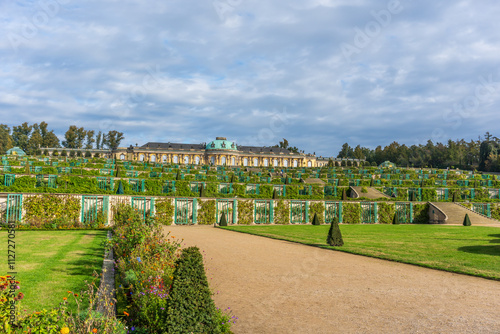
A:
(318, 73)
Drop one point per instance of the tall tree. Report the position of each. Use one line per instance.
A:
(90, 140)
(98, 142)
(74, 137)
(35, 141)
(112, 139)
(5, 139)
(346, 151)
(21, 135)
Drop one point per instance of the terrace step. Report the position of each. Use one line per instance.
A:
(456, 214)
(371, 194)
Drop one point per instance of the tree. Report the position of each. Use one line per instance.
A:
(49, 139)
(71, 137)
(90, 139)
(35, 141)
(21, 135)
(315, 219)
(5, 139)
(120, 189)
(98, 142)
(112, 139)
(466, 220)
(346, 151)
(223, 220)
(334, 235)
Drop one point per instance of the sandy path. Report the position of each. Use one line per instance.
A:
(281, 287)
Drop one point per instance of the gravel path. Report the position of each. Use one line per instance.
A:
(276, 286)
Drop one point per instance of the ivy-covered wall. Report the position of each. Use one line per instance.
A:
(206, 212)
(319, 209)
(351, 213)
(164, 210)
(386, 212)
(421, 213)
(40, 209)
(282, 212)
(245, 212)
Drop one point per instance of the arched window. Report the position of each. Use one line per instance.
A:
(122, 156)
(295, 163)
(285, 163)
(266, 162)
(164, 158)
(197, 160)
(233, 161)
(212, 160)
(141, 157)
(245, 162)
(176, 159)
(223, 161)
(309, 164)
(255, 162)
(275, 162)
(153, 158)
(186, 159)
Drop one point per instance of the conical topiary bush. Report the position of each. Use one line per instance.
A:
(202, 191)
(344, 195)
(334, 235)
(315, 219)
(120, 189)
(395, 220)
(275, 194)
(467, 220)
(223, 220)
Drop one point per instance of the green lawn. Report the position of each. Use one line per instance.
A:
(469, 250)
(50, 263)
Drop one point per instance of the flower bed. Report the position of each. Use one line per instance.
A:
(156, 279)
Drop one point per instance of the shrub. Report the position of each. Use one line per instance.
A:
(64, 153)
(190, 308)
(223, 220)
(364, 189)
(315, 219)
(334, 235)
(467, 220)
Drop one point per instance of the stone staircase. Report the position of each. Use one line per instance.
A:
(371, 194)
(455, 215)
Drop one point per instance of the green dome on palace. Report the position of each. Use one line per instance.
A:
(221, 143)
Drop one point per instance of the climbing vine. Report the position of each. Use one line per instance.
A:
(164, 210)
(351, 213)
(206, 212)
(319, 209)
(386, 212)
(245, 212)
(281, 213)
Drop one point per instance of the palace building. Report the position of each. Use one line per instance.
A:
(219, 152)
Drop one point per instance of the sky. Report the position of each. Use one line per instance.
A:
(318, 73)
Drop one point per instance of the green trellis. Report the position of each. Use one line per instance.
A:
(145, 206)
(229, 207)
(482, 208)
(299, 212)
(404, 212)
(263, 212)
(333, 209)
(14, 208)
(369, 212)
(93, 208)
(185, 211)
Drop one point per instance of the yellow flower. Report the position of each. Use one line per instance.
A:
(65, 330)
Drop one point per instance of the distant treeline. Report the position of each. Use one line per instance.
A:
(31, 137)
(481, 154)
